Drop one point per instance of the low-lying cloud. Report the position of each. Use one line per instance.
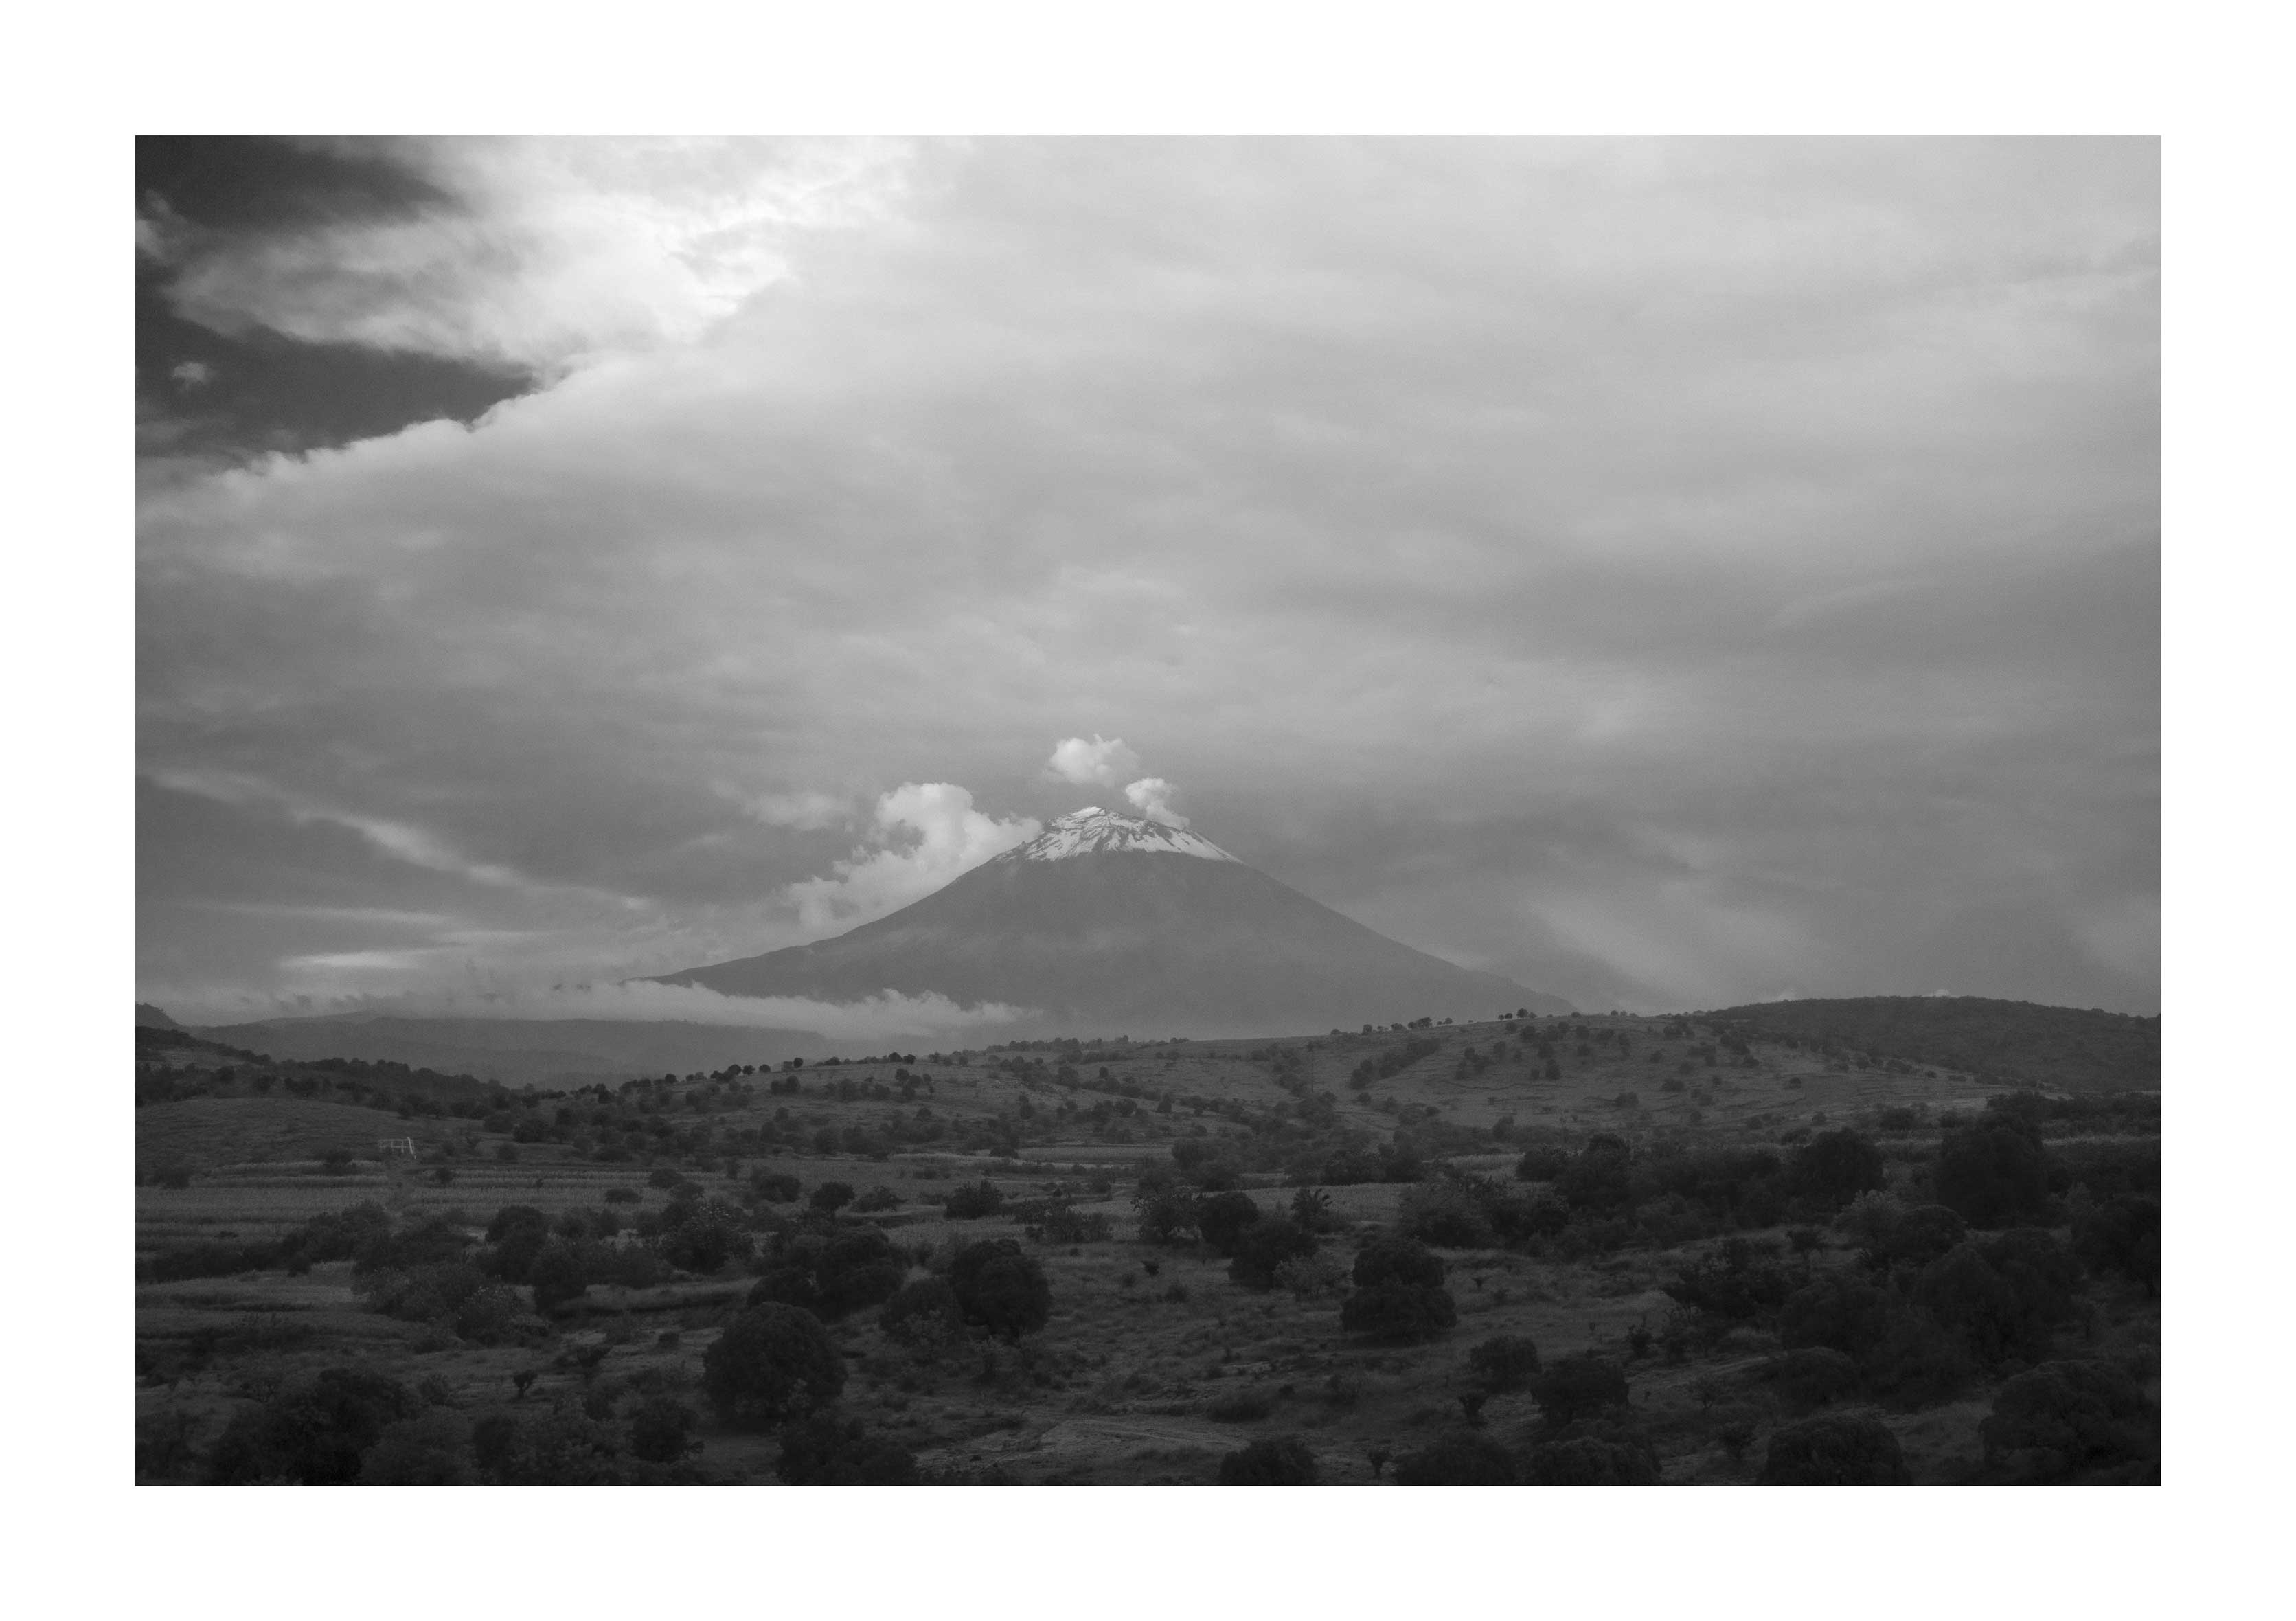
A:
(926, 834)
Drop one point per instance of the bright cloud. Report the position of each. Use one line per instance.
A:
(1150, 797)
(1103, 760)
(928, 834)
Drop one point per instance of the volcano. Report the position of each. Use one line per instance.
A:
(1120, 925)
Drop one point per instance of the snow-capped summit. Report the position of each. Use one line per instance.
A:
(1094, 832)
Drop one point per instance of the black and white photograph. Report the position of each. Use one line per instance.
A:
(1147, 811)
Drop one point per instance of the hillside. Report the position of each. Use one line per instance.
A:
(519, 1052)
(2062, 1049)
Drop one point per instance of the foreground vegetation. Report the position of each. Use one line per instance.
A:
(1537, 1251)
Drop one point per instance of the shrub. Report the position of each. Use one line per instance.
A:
(1311, 1210)
(557, 1275)
(819, 1450)
(971, 1201)
(2064, 1417)
(1465, 1458)
(1597, 1178)
(702, 1238)
(662, 1429)
(1842, 1312)
(1594, 1460)
(1062, 1222)
(2122, 1234)
(924, 1317)
(1993, 1174)
(2001, 1298)
(772, 1364)
(1736, 1283)
(831, 1196)
(1311, 1277)
(1834, 1167)
(1812, 1375)
(561, 1448)
(433, 1449)
(774, 1187)
(1575, 1387)
(1272, 1460)
(623, 1196)
(1001, 1289)
(313, 1433)
(1241, 1407)
(856, 1269)
(1835, 1449)
(1221, 1218)
(1265, 1247)
(1399, 1293)
(1503, 1362)
(1443, 1213)
(663, 1176)
(879, 1198)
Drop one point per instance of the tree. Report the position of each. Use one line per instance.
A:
(1834, 1167)
(1465, 1458)
(1504, 1362)
(433, 1449)
(773, 1363)
(2063, 1418)
(819, 1450)
(1222, 1217)
(1273, 1461)
(662, 1429)
(312, 1433)
(1581, 1386)
(557, 1275)
(1995, 1174)
(1001, 1289)
(832, 1196)
(1265, 1245)
(1399, 1293)
(2122, 1234)
(1614, 1458)
(924, 1317)
(971, 1201)
(1835, 1449)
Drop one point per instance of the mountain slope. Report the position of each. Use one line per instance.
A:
(1127, 925)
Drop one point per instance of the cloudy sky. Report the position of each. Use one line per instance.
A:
(1668, 574)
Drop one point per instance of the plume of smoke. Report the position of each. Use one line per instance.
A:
(1103, 760)
(1151, 798)
(867, 1018)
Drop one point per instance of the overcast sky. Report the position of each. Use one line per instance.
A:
(1668, 574)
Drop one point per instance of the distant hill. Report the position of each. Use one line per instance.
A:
(151, 1017)
(2061, 1049)
(545, 1053)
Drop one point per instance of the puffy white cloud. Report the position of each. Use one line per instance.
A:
(1103, 760)
(929, 833)
(1151, 795)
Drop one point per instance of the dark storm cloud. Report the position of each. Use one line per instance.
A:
(1665, 573)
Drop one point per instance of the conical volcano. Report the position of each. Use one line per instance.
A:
(1125, 926)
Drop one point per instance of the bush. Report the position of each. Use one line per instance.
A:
(879, 1198)
(1220, 1219)
(561, 1448)
(1598, 1178)
(971, 1201)
(1458, 1460)
(1835, 1449)
(1839, 1311)
(662, 1429)
(626, 1196)
(662, 1176)
(856, 1269)
(433, 1449)
(1594, 1460)
(2123, 1235)
(1503, 1362)
(2062, 1418)
(831, 1197)
(773, 1363)
(1834, 1167)
(774, 1187)
(819, 1450)
(1399, 1293)
(557, 1275)
(1994, 1174)
(2001, 1298)
(924, 1317)
(1273, 1460)
(1812, 1375)
(702, 1238)
(1241, 1407)
(1062, 1222)
(1571, 1388)
(1001, 1289)
(1443, 1213)
(1265, 1247)
(1541, 1164)
(313, 1433)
